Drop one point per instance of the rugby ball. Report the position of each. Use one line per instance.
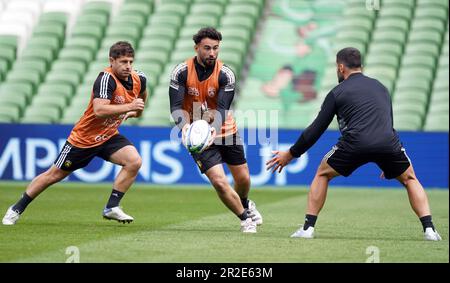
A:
(198, 136)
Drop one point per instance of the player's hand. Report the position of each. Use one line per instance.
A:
(131, 114)
(208, 116)
(281, 159)
(183, 134)
(382, 175)
(137, 105)
(213, 137)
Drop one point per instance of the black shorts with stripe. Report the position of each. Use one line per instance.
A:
(393, 164)
(72, 158)
(232, 154)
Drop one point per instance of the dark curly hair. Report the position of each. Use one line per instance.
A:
(207, 32)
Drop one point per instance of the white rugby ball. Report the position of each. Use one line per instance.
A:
(197, 136)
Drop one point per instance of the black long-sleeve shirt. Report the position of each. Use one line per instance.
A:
(177, 89)
(364, 111)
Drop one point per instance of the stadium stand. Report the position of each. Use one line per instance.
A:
(52, 50)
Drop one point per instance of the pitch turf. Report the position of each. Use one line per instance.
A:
(183, 224)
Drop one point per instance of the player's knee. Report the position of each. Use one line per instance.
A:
(243, 180)
(219, 183)
(135, 163)
(407, 178)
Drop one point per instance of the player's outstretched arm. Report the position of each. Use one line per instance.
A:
(279, 161)
(103, 107)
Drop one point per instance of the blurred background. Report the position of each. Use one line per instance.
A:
(282, 52)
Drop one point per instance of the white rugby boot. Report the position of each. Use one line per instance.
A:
(307, 234)
(431, 235)
(10, 217)
(116, 213)
(256, 216)
(248, 226)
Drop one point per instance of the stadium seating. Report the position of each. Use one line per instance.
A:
(52, 51)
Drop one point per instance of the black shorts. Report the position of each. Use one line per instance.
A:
(392, 164)
(220, 153)
(72, 158)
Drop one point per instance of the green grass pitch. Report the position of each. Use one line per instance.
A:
(190, 224)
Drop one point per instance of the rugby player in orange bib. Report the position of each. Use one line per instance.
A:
(202, 87)
(118, 93)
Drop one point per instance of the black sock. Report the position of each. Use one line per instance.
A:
(22, 203)
(310, 221)
(427, 222)
(244, 215)
(244, 202)
(114, 199)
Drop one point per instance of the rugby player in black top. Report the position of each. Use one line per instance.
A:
(364, 111)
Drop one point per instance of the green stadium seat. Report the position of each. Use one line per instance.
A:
(136, 20)
(164, 44)
(88, 29)
(382, 60)
(76, 53)
(407, 122)
(179, 9)
(50, 29)
(416, 72)
(48, 41)
(136, 8)
(428, 3)
(357, 35)
(158, 56)
(96, 7)
(88, 18)
(60, 18)
(437, 123)
(55, 101)
(160, 32)
(357, 23)
(395, 36)
(221, 2)
(16, 100)
(17, 88)
(396, 12)
(426, 61)
(124, 31)
(109, 40)
(385, 48)
(56, 89)
(359, 11)
(237, 21)
(243, 9)
(390, 3)
(389, 23)
(430, 36)
(201, 21)
(42, 54)
(428, 24)
(236, 33)
(83, 42)
(432, 13)
(200, 9)
(64, 77)
(9, 40)
(41, 114)
(385, 71)
(170, 20)
(69, 65)
(10, 112)
(405, 106)
(8, 53)
(37, 65)
(422, 48)
(31, 77)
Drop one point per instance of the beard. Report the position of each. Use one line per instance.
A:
(340, 78)
(209, 62)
